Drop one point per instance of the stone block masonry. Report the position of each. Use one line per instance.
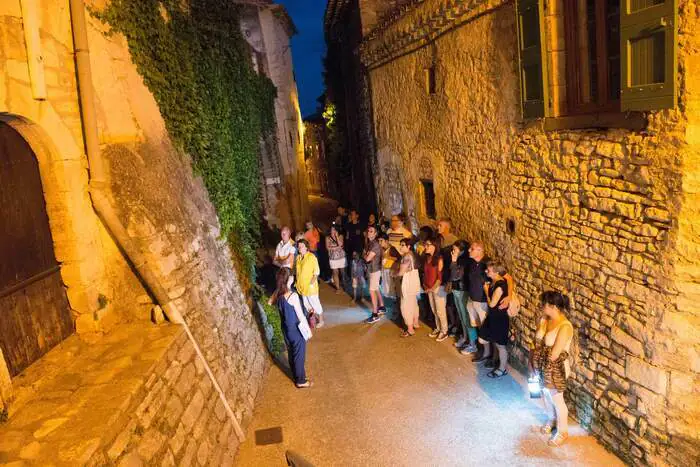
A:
(604, 215)
(139, 396)
(179, 420)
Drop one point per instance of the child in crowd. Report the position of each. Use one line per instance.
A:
(359, 270)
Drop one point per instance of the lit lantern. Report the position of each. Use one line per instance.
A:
(534, 386)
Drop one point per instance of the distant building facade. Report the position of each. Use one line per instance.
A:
(348, 91)
(317, 170)
(268, 28)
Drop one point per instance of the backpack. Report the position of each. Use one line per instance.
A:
(514, 305)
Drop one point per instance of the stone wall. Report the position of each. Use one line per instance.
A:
(604, 215)
(164, 206)
(179, 419)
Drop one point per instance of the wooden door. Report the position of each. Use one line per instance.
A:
(34, 310)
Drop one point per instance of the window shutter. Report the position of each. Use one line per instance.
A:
(648, 47)
(533, 73)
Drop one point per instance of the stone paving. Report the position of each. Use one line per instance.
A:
(380, 400)
(73, 401)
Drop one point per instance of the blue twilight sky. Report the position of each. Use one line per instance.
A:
(308, 48)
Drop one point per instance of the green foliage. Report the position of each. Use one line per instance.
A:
(274, 320)
(194, 60)
(329, 115)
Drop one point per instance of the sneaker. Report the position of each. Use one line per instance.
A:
(461, 342)
(434, 333)
(441, 337)
(305, 385)
(468, 350)
(372, 319)
(381, 310)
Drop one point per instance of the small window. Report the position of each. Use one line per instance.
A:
(429, 198)
(430, 83)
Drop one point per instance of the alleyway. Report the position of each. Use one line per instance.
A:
(380, 400)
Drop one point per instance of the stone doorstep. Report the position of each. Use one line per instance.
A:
(79, 396)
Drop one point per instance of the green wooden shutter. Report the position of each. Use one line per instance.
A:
(533, 72)
(648, 45)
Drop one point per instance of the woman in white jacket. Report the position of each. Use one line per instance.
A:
(295, 327)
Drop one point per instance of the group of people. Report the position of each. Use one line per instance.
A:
(469, 296)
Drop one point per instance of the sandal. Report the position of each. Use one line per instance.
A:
(497, 373)
(407, 334)
(547, 428)
(558, 439)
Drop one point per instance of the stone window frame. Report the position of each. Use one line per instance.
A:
(428, 202)
(431, 80)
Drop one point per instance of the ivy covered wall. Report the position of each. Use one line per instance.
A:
(194, 60)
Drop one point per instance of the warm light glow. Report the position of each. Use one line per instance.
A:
(329, 115)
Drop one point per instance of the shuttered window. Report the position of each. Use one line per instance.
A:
(641, 75)
(648, 38)
(533, 74)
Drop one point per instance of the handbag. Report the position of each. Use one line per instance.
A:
(313, 319)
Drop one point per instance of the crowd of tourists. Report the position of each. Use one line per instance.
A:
(435, 278)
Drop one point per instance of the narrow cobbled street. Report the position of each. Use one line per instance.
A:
(381, 400)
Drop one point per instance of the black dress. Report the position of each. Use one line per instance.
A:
(497, 322)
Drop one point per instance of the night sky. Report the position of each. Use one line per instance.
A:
(308, 48)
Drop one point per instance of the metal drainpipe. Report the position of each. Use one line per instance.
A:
(101, 199)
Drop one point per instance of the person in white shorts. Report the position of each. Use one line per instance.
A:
(285, 253)
(373, 257)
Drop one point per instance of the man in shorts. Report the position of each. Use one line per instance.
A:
(373, 257)
(477, 307)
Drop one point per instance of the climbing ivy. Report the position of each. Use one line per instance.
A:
(194, 60)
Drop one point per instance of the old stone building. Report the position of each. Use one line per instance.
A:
(105, 232)
(316, 157)
(565, 135)
(268, 28)
(347, 88)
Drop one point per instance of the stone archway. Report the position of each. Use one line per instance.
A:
(34, 310)
(75, 228)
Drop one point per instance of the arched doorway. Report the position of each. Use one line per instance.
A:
(34, 310)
